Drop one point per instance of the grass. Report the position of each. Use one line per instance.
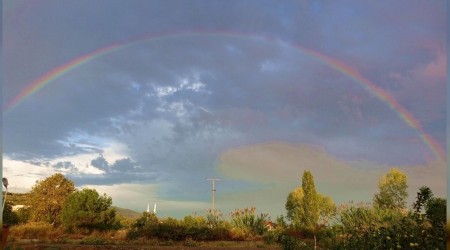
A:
(97, 243)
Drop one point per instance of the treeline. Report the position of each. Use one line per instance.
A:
(312, 219)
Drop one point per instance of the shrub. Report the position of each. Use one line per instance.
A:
(273, 236)
(289, 242)
(245, 221)
(197, 229)
(143, 227)
(35, 230)
(9, 217)
(93, 240)
(194, 221)
(23, 215)
(372, 228)
(191, 243)
(87, 209)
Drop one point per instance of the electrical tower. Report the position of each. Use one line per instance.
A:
(213, 190)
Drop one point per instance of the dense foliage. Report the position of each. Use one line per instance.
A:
(247, 224)
(9, 217)
(47, 198)
(393, 192)
(305, 207)
(313, 219)
(88, 210)
(193, 228)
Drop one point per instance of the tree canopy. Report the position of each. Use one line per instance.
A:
(392, 187)
(305, 206)
(48, 196)
(87, 209)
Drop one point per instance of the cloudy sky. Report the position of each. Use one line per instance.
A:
(143, 100)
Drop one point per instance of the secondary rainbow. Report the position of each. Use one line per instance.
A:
(378, 92)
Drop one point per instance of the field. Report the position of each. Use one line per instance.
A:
(167, 245)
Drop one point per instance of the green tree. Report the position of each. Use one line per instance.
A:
(423, 196)
(436, 211)
(305, 206)
(393, 192)
(326, 208)
(311, 201)
(87, 209)
(48, 196)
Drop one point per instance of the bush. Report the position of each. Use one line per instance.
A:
(197, 229)
(31, 231)
(191, 243)
(289, 242)
(23, 215)
(273, 236)
(87, 209)
(245, 222)
(372, 228)
(93, 240)
(9, 217)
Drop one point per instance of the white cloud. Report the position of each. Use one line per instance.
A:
(23, 174)
(268, 66)
(166, 91)
(191, 83)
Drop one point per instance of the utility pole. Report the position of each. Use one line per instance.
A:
(213, 190)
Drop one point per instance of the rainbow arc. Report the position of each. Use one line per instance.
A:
(340, 66)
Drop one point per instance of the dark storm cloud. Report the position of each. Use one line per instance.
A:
(101, 98)
(120, 171)
(248, 90)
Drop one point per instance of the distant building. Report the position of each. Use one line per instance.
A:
(17, 207)
(270, 225)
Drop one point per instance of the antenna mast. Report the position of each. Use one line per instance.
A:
(213, 190)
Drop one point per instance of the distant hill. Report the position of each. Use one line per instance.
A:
(127, 213)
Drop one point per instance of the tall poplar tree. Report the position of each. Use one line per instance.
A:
(310, 202)
(305, 206)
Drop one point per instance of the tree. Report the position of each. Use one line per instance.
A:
(87, 209)
(310, 202)
(48, 196)
(436, 211)
(393, 192)
(423, 196)
(305, 206)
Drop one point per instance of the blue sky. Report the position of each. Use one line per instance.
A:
(232, 96)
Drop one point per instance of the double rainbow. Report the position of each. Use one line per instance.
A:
(381, 94)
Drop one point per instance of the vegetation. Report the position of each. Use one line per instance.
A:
(305, 206)
(245, 224)
(393, 192)
(9, 217)
(191, 228)
(86, 209)
(48, 196)
(84, 217)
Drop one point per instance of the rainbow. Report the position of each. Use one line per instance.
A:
(378, 92)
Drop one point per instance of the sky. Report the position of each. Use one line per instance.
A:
(143, 100)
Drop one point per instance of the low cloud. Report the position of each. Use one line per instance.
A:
(278, 167)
